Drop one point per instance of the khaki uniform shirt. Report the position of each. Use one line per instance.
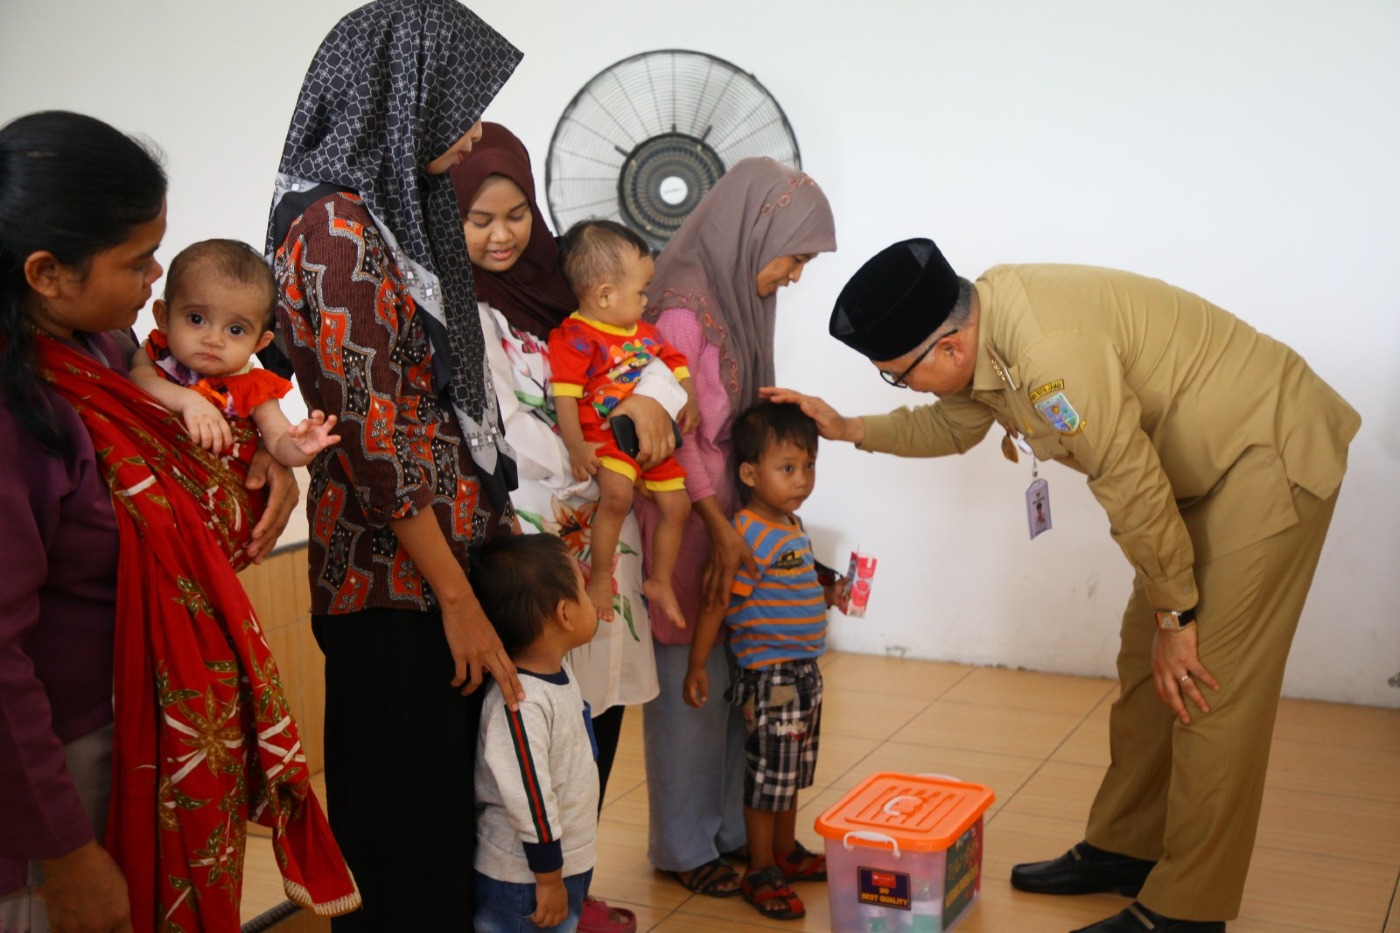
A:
(1152, 392)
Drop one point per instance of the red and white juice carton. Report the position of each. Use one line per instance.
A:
(858, 578)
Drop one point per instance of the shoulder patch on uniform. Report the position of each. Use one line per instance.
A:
(1056, 386)
(1059, 412)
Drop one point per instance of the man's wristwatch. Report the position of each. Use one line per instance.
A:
(1169, 620)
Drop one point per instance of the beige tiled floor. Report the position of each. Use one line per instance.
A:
(1328, 851)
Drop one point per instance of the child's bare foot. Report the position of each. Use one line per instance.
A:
(661, 598)
(601, 592)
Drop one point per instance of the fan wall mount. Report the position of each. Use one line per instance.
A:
(647, 138)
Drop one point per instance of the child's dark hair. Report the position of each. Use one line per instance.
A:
(74, 186)
(764, 424)
(234, 261)
(519, 580)
(593, 252)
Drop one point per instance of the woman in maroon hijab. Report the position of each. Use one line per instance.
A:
(522, 296)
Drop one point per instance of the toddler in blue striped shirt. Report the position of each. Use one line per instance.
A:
(776, 621)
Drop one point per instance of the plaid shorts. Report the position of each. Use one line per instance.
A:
(782, 706)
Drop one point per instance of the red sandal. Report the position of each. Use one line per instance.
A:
(598, 917)
(772, 879)
(802, 865)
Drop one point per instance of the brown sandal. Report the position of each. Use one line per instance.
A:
(778, 901)
(710, 879)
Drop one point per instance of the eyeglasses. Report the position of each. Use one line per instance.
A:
(898, 381)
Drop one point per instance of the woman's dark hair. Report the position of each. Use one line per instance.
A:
(764, 424)
(74, 186)
(519, 580)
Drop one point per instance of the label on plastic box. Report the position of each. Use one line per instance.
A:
(883, 888)
(963, 873)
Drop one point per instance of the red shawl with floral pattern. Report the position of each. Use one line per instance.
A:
(204, 738)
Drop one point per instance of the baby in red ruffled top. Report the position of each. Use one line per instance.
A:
(217, 311)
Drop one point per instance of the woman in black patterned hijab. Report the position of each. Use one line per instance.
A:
(378, 317)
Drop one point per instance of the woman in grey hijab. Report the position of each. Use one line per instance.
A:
(714, 298)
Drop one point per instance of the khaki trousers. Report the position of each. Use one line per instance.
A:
(1188, 796)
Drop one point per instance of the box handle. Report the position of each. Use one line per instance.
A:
(946, 777)
(871, 837)
(891, 805)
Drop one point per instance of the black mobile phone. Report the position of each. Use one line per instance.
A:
(625, 433)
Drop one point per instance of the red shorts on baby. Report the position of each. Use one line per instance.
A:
(662, 477)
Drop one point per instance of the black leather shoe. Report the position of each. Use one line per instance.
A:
(1138, 919)
(1084, 869)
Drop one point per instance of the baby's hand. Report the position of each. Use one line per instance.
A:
(207, 425)
(696, 689)
(313, 434)
(583, 460)
(551, 900)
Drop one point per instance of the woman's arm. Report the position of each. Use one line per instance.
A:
(40, 810)
(85, 890)
(473, 641)
(695, 689)
(680, 330)
(728, 552)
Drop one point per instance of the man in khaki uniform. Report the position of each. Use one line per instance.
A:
(1217, 454)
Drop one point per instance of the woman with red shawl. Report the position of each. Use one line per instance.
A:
(137, 693)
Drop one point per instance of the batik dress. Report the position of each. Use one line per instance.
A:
(401, 448)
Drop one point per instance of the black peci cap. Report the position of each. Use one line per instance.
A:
(893, 302)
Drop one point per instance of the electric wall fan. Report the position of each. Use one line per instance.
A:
(646, 138)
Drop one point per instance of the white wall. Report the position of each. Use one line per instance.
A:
(1246, 151)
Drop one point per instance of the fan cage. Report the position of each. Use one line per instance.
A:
(647, 137)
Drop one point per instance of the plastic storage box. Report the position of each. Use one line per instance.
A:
(904, 853)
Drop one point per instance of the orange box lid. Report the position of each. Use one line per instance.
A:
(923, 813)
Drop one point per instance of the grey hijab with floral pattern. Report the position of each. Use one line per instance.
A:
(758, 211)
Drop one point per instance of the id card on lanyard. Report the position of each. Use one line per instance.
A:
(1037, 493)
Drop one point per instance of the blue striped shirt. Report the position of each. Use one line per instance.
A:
(781, 614)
